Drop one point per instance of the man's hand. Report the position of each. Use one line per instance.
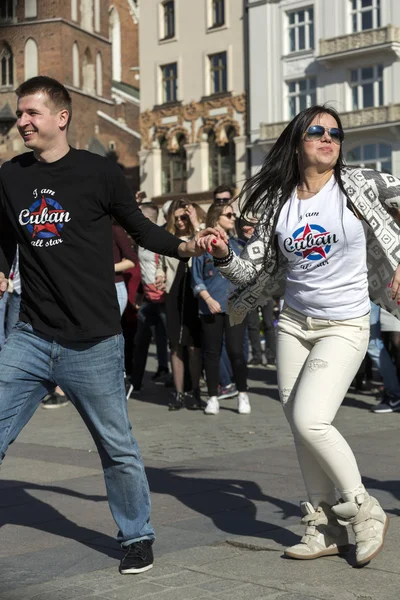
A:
(395, 285)
(3, 284)
(160, 283)
(197, 246)
(217, 245)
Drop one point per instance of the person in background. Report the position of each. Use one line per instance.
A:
(212, 290)
(183, 324)
(223, 194)
(151, 314)
(10, 303)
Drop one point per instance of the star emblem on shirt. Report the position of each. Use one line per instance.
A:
(50, 227)
(315, 249)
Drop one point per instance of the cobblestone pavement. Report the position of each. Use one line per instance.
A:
(225, 494)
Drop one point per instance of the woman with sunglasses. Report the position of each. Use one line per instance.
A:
(183, 324)
(314, 214)
(212, 290)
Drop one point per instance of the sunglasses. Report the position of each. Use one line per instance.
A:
(229, 215)
(315, 133)
(222, 201)
(183, 218)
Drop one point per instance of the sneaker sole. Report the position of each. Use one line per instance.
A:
(134, 571)
(328, 552)
(52, 406)
(228, 395)
(213, 414)
(364, 561)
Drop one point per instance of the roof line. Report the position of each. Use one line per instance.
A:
(119, 125)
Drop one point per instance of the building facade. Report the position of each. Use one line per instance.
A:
(192, 97)
(91, 46)
(344, 53)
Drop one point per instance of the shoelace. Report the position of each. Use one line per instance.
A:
(138, 550)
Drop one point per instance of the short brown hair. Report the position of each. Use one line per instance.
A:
(214, 213)
(57, 93)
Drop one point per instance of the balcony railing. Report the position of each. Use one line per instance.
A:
(367, 117)
(384, 37)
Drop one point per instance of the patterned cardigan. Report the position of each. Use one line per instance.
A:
(370, 193)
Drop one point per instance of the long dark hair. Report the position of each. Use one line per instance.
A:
(273, 185)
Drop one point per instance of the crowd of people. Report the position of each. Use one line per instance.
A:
(193, 284)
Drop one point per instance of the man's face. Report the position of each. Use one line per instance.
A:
(40, 124)
(222, 197)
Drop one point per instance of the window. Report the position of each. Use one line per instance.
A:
(218, 73)
(99, 74)
(75, 66)
(6, 10)
(87, 15)
(169, 19)
(365, 14)
(222, 160)
(301, 30)
(169, 82)
(218, 13)
(88, 74)
(366, 87)
(371, 156)
(6, 66)
(115, 37)
(173, 168)
(74, 10)
(31, 59)
(302, 94)
(97, 20)
(30, 9)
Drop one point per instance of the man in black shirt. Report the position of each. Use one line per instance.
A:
(56, 203)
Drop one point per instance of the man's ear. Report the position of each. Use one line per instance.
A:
(63, 117)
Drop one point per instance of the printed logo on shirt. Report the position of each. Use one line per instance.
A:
(44, 219)
(312, 242)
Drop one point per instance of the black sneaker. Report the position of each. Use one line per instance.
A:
(255, 362)
(193, 400)
(178, 402)
(55, 400)
(138, 559)
(228, 391)
(271, 364)
(161, 375)
(390, 403)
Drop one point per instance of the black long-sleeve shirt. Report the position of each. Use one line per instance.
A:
(59, 213)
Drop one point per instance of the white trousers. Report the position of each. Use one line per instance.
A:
(317, 360)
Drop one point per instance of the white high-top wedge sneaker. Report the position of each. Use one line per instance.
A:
(369, 523)
(324, 535)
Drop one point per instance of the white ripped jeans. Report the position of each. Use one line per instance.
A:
(317, 360)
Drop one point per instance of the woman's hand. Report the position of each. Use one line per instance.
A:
(196, 246)
(160, 282)
(213, 305)
(192, 214)
(215, 243)
(395, 285)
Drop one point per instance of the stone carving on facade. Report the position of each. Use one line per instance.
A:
(362, 39)
(193, 120)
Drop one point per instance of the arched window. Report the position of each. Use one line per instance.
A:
(97, 19)
(6, 66)
(31, 59)
(222, 160)
(173, 167)
(30, 9)
(99, 74)
(88, 75)
(75, 66)
(74, 10)
(115, 37)
(371, 156)
(87, 15)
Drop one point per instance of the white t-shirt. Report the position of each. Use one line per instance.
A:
(325, 245)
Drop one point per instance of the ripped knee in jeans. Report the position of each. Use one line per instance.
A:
(317, 363)
(286, 395)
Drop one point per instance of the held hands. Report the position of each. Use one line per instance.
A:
(395, 285)
(214, 241)
(3, 284)
(204, 242)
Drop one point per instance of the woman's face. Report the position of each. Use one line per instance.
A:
(181, 221)
(323, 153)
(227, 219)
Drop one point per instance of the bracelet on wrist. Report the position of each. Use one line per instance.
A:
(222, 262)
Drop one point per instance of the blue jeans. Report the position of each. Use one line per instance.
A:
(151, 314)
(3, 309)
(379, 355)
(13, 306)
(92, 376)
